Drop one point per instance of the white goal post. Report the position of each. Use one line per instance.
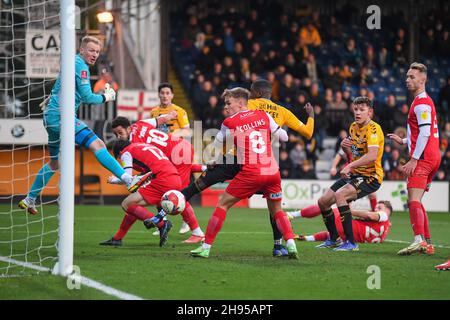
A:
(67, 158)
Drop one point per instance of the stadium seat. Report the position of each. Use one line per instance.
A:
(91, 189)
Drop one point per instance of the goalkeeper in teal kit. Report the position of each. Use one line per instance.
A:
(89, 52)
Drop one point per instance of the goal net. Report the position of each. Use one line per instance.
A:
(29, 64)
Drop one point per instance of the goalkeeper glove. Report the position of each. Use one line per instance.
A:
(110, 94)
(44, 103)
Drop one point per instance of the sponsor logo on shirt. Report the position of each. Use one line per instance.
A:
(424, 115)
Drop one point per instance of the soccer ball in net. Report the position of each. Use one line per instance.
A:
(173, 202)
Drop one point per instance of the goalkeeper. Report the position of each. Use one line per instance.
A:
(89, 52)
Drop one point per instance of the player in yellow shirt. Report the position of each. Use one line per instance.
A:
(359, 178)
(260, 93)
(177, 119)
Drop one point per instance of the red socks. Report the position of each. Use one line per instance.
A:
(214, 225)
(127, 222)
(416, 216)
(142, 213)
(189, 217)
(321, 236)
(425, 224)
(284, 225)
(373, 203)
(310, 211)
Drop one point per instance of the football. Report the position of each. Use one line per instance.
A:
(173, 202)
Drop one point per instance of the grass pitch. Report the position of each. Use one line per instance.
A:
(240, 266)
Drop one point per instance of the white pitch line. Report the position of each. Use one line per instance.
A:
(84, 280)
(406, 242)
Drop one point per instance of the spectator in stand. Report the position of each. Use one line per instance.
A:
(331, 79)
(286, 165)
(202, 96)
(228, 39)
(345, 74)
(293, 34)
(386, 114)
(363, 78)
(205, 60)
(301, 50)
(370, 59)
(310, 35)
(443, 44)
(334, 29)
(229, 69)
(217, 48)
(257, 58)
(238, 52)
(255, 23)
(271, 60)
(315, 97)
(209, 33)
(190, 32)
(312, 70)
(446, 132)
(306, 171)
(216, 72)
(305, 86)
(386, 159)
(444, 101)
(297, 154)
(283, 49)
(427, 44)
(244, 71)
(328, 98)
(383, 58)
(200, 42)
(219, 84)
(320, 126)
(399, 56)
(440, 176)
(400, 116)
(347, 97)
(248, 41)
(338, 103)
(296, 69)
(400, 37)
(396, 165)
(212, 114)
(288, 90)
(445, 164)
(351, 55)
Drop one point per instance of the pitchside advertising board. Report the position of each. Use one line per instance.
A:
(27, 131)
(42, 53)
(298, 194)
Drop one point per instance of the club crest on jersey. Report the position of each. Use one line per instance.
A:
(84, 74)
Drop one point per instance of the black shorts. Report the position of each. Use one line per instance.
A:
(363, 185)
(221, 172)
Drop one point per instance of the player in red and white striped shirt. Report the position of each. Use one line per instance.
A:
(425, 157)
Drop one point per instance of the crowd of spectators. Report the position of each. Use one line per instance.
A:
(308, 57)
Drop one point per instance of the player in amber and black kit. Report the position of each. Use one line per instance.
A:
(360, 177)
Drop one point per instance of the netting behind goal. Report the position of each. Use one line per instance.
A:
(29, 62)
